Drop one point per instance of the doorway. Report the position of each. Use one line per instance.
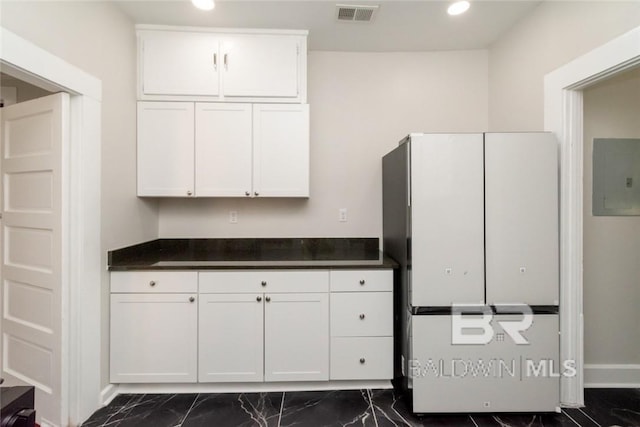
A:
(80, 253)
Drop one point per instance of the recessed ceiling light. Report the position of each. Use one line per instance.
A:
(458, 7)
(203, 4)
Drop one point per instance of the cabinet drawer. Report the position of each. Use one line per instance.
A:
(361, 358)
(361, 314)
(154, 281)
(264, 281)
(361, 280)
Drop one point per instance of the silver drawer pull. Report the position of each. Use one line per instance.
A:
(258, 298)
(191, 299)
(362, 360)
(362, 281)
(267, 299)
(362, 316)
(152, 283)
(264, 283)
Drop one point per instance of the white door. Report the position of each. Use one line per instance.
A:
(447, 219)
(154, 338)
(165, 149)
(231, 338)
(34, 138)
(179, 63)
(260, 66)
(281, 150)
(223, 150)
(522, 218)
(296, 337)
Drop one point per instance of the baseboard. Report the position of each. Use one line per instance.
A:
(108, 393)
(611, 376)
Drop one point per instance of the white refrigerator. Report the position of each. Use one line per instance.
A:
(473, 221)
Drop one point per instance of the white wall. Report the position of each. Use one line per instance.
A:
(611, 244)
(361, 104)
(98, 38)
(555, 33)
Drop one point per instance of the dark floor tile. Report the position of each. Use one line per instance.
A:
(579, 417)
(235, 410)
(103, 414)
(327, 408)
(153, 410)
(392, 410)
(523, 420)
(607, 406)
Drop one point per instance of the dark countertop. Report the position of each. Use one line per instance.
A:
(281, 253)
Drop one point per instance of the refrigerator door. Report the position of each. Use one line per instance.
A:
(499, 376)
(521, 187)
(447, 219)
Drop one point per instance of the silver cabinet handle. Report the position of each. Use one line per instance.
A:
(255, 193)
(267, 299)
(215, 61)
(152, 283)
(362, 316)
(226, 64)
(246, 193)
(258, 298)
(264, 283)
(189, 193)
(362, 360)
(362, 281)
(191, 299)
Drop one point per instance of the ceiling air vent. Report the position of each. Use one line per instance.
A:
(352, 13)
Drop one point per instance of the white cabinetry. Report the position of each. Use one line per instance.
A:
(154, 329)
(291, 309)
(218, 65)
(361, 324)
(165, 149)
(224, 150)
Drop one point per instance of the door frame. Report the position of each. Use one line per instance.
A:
(563, 115)
(81, 251)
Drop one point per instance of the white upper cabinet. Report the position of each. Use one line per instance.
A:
(165, 149)
(281, 150)
(223, 150)
(260, 66)
(179, 63)
(222, 65)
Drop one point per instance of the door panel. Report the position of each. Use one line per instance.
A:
(522, 218)
(223, 150)
(447, 219)
(260, 66)
(33, 333)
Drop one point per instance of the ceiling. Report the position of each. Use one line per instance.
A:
(398, 25)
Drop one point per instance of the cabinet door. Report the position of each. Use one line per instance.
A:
(447, 219)
(281, 150)
(522, 218)
(296, 340)
(153, 338)
(260, 66)
(223, 150)
(179, 63)
(231, 338)
(165, 149)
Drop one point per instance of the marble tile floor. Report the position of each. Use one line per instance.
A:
(376, 408)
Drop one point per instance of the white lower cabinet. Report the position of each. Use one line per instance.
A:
(296, 337)
(154, 338)
(250, 326)
(231, 337)
(361, 325)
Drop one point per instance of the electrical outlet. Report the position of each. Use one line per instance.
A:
(233, 217)
(342, 214)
